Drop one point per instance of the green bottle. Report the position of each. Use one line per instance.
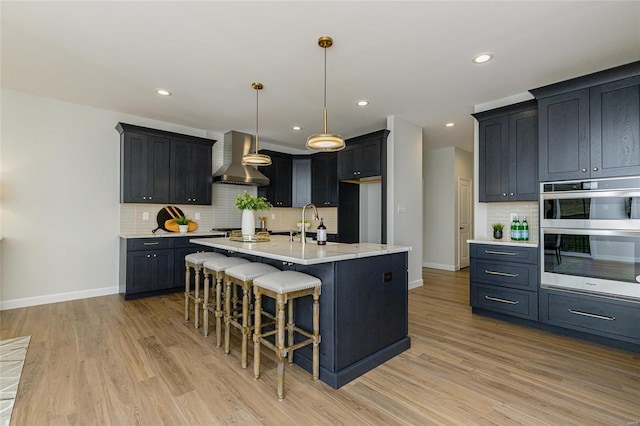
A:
(520, 231)
(514, 228)
(525, 229)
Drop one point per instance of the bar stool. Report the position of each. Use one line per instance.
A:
(241, 276)
(216, 267)
(284, 287)
(195, 261)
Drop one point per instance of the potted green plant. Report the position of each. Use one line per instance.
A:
(248, 204)
(497, 230)
(183, 224)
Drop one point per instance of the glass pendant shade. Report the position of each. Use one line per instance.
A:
(255, 159)
(325, 141)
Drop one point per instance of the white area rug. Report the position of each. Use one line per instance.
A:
(12, 354)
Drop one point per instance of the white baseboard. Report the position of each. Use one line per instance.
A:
(440, 266)
(54, 298)
(416, 283)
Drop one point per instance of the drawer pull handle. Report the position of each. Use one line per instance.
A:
(502, 274)
(495, 299)
(508, 253)
(152, 244)
(587, 314)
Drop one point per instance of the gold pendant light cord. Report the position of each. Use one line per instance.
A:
(257, 100)
(325, 90)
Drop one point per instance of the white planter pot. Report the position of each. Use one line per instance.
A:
(248, 223)
(183, 228)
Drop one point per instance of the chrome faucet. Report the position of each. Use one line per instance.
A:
(303, 233)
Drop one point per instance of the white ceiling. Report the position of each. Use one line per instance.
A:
(409, 59)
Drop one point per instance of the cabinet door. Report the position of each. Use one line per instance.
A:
(347, 162)
(564, 136)
(301, 183)
(278, 192)
(200, 178)
(144, 169)
(324, 179)
(369, 159)
(283, 182)
(190, 173)
(523, 150)
(615, 128)
(149, 270)
(494, 167)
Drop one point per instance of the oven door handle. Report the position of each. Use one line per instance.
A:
(590, 231)
(590, 194)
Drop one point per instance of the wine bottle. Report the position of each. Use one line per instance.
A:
(322, 234)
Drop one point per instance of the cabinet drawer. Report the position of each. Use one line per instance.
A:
(591, 314)
(136, 244)
(523, 276)
(518, 303)
(505, 253)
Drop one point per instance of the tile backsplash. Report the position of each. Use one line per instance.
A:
(221, 214)
(500, 213)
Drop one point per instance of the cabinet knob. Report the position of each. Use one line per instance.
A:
(194, 200)
(511, 194)
(155, 255)
(504, 194)
(144, 198)
(150, 197)
(148, 255)
(584, 170)
(595, 169)
(355, 173)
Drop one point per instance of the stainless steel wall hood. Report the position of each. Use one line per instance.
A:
(232, 171)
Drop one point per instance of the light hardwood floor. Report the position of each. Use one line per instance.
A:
(107, 361)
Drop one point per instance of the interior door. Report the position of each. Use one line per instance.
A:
(465, 218)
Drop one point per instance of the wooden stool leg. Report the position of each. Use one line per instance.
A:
(316, 334)
(227, 315)
(205, 305)
(245, 323)
(257, 331)
(290, 326)
(281, 350)
(187, 290)
(219, 278)
(197, 301)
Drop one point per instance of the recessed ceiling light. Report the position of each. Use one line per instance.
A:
(450, 124)
(297, 128)
(362, 103)
(163, 92)
(482, 58)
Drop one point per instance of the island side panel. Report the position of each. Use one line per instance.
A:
(368, 311)
(371, 306)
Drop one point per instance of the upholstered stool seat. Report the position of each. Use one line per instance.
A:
(284, 287)
(241, 276)
(216, 267)
(195, 261)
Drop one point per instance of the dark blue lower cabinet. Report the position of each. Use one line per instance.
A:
(616, 319)
(523, 304)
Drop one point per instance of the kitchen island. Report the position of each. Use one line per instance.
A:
(363, 306)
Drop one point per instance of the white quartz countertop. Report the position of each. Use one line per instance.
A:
(504, 242)
(280, 248)
(165, 234)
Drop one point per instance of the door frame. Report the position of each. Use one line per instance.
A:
(461, 244)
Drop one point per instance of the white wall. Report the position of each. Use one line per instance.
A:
(442, 167)
(60, 198)
(404, 190)
(370, 213)
(439, 202)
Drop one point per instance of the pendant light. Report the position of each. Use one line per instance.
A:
(256, 159)
(325, 141)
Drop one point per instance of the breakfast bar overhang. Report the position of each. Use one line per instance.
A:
(364, 301)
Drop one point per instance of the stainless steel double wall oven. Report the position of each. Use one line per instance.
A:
(590, 236)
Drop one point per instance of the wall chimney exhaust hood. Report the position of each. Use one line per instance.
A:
(235, 146)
